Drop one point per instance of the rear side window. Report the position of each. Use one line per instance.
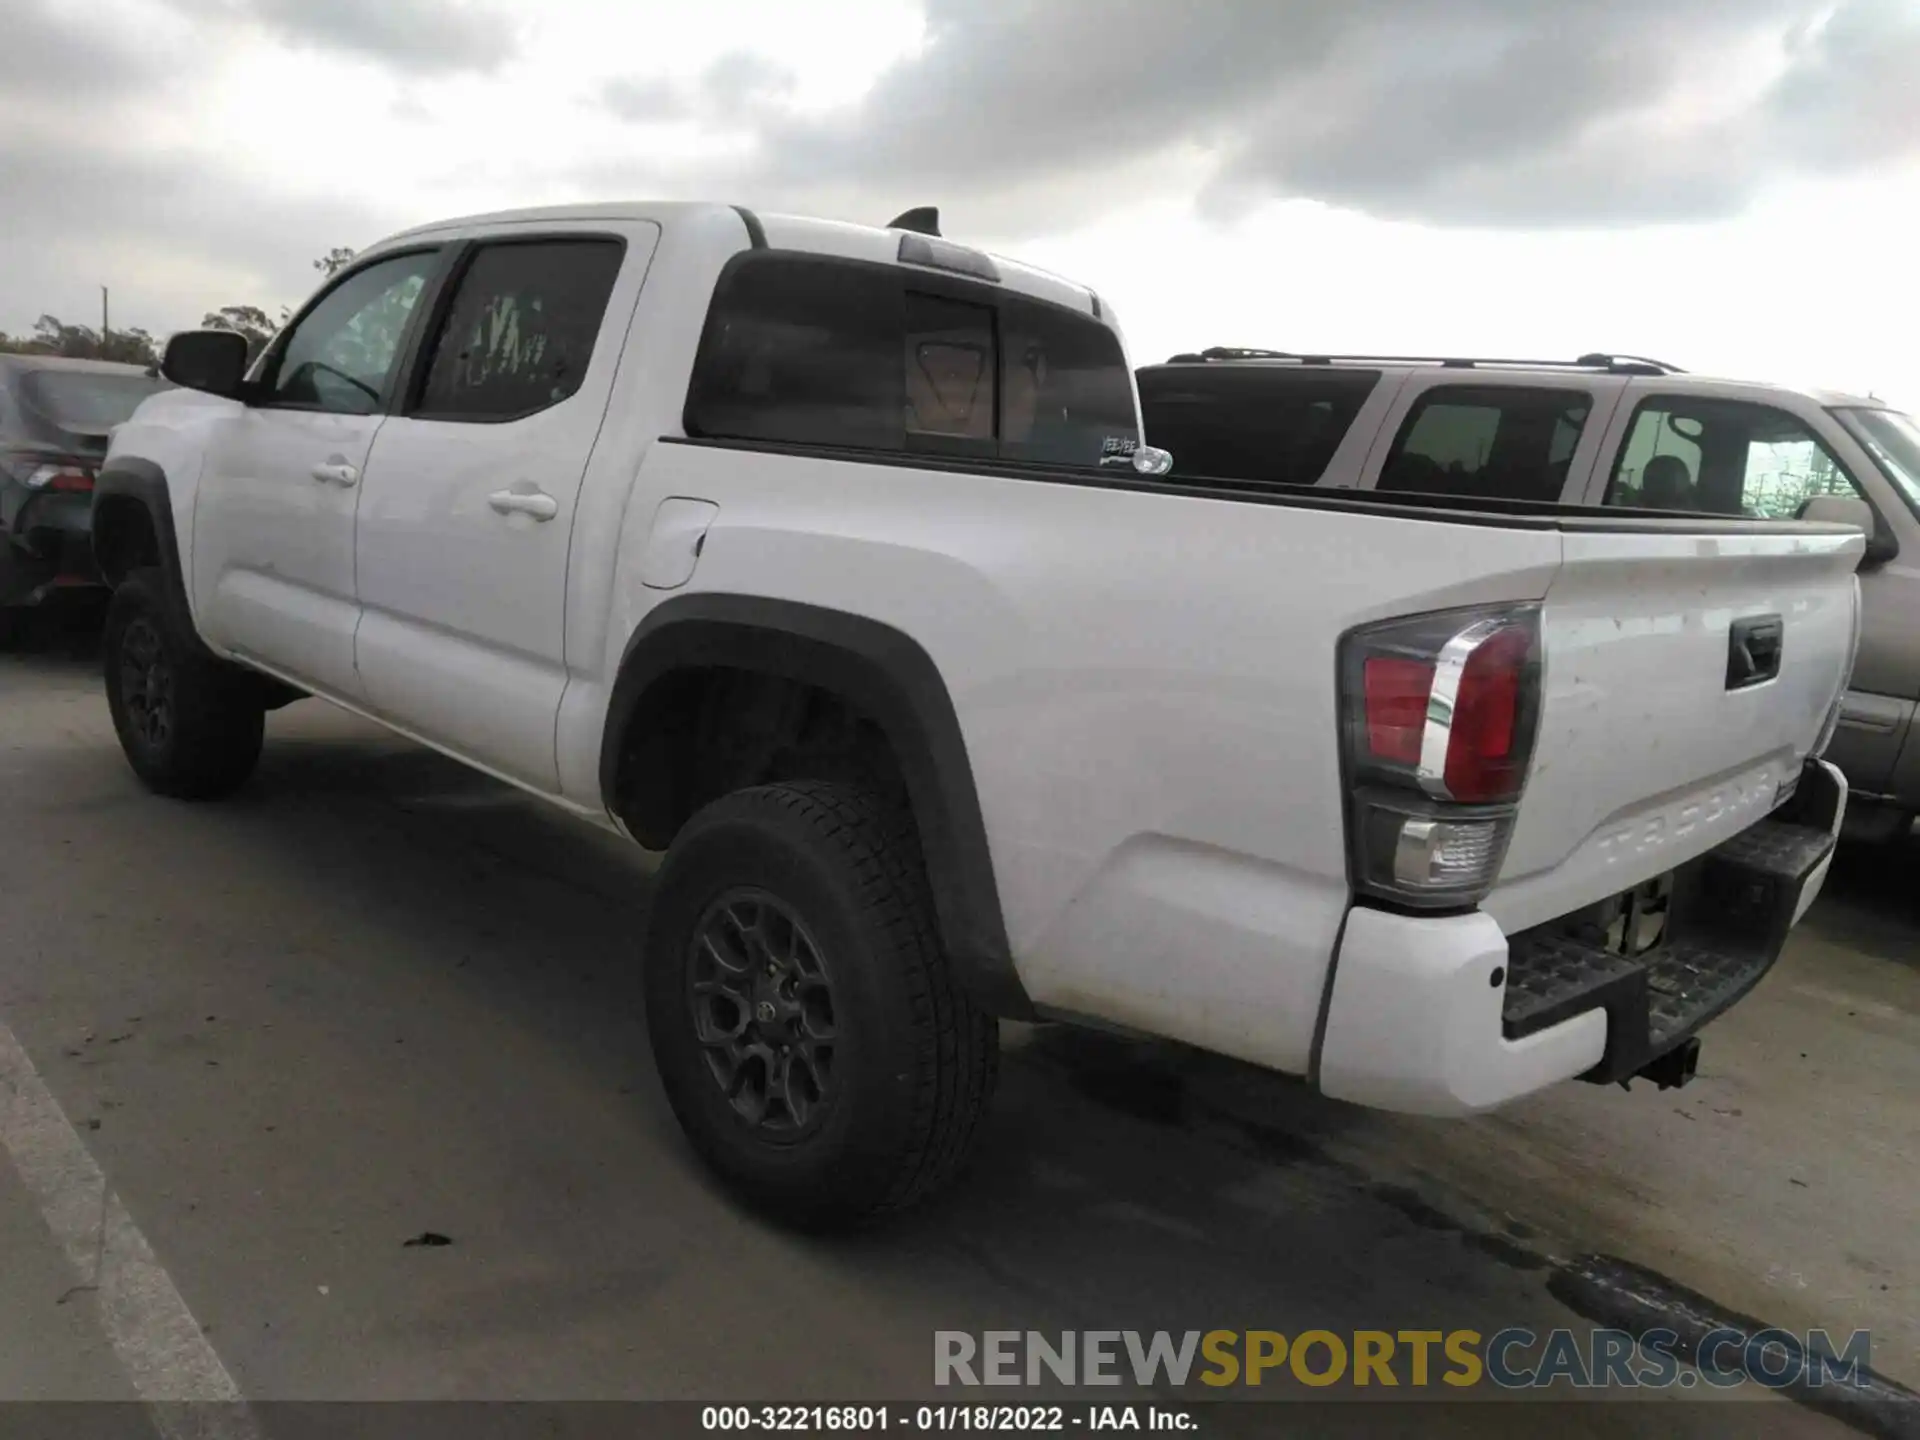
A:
(803, 351)
(1490, 442)
(521, 329)
(1254, 422)
(1722, 457)
(810, 350)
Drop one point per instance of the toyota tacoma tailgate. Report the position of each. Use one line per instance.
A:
(1686, 679)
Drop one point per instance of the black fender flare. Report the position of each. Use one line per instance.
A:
(128, 484)
(125, 484)
(892, 679)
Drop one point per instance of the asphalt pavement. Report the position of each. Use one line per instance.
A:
(377, 997)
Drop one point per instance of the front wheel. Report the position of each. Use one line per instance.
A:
(812, 1037)
(191, 726)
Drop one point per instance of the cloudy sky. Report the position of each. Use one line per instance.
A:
(1731, 185)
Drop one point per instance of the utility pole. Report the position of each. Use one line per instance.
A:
(106, 330)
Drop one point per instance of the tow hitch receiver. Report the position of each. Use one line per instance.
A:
(1675, 1068)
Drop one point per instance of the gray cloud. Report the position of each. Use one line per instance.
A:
(82, 218)
(48, 57)
(647, 98)
(1608, 115)
(1018, 117)
(1537, 113)
(738, 91)
(173, 233)
(422, 37)
(1856, 96)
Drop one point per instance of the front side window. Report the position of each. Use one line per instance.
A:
(1489, 442)
(521, 329)
(1722, 457)
(810, 350)
(340, 356)
(1893, 440)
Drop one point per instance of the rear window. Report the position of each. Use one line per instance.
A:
(85, 402)
(1255, 422)
(1492, 442)
(810, 350)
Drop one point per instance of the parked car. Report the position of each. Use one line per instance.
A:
(827, 560)
(55, 416)
(1603, 431)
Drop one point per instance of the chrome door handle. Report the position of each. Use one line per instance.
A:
(516, 502)
(342, 475)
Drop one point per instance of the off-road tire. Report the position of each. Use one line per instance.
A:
(190, 725)
(914, 1059)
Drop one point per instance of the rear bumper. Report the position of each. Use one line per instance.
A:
(1449, 1015)
(48, 546)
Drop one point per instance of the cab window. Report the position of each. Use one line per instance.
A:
(341, 355)
(521, 330)
(814, 350)
(1722, 457)
(1504, 442)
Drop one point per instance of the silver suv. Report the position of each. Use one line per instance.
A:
(1602, 430)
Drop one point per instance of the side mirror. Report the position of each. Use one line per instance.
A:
(1852, 510)
(211, 360)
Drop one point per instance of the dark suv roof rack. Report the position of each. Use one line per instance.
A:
(1612, 364)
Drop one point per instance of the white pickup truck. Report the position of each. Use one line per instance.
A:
(828, 561)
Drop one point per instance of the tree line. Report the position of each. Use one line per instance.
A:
(53, 336)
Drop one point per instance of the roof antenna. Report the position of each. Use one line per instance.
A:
(921, 220)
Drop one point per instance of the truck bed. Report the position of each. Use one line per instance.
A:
(1441, 509)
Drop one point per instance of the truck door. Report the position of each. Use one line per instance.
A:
(467, 510)
(274, 517)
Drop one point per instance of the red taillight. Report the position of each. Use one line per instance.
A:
(1396, 699)
(1439, 713)
(61, 478)
(1481, 761)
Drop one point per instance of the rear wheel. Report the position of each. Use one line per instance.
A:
(190, 725)
(809, 1030)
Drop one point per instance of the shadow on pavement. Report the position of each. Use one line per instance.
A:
(67, 634)
(1872, 900)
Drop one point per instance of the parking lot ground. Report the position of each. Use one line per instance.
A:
(51, 1347)
(1784, 1182)
(376, 996)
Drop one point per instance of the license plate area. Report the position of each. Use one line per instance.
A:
(1635, 922)
(1665, 957)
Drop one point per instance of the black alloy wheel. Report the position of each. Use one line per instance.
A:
(763, 1012)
